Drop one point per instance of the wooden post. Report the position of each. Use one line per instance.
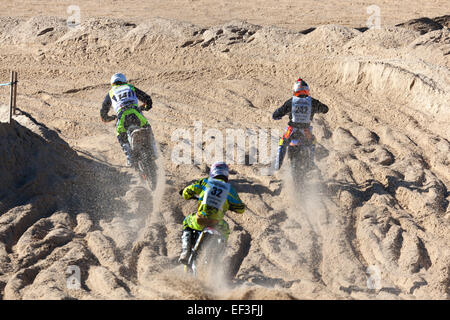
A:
(11, 92)
(15, 92)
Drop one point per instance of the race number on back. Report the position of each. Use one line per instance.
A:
(216, 193)
(301, 109)
(123, 96)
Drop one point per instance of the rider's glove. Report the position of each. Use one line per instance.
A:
(109, 118)
(147, 107)
(323, 108)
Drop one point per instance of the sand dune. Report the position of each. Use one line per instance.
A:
(371, 223)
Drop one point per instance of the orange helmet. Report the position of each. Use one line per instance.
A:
(300, 88)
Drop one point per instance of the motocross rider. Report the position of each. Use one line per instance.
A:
(123, 97)
(215, 197)
(301, 109)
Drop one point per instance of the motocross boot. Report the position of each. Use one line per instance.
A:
(127, 150)
(186, 246)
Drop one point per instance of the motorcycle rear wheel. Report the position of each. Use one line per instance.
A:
(206, 259)
(300, 159)
(148, 170)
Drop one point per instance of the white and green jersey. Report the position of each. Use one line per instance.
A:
(123, 95)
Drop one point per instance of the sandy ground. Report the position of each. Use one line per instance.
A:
(288, 14)
(371, 223)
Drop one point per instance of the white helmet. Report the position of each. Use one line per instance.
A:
(219, 168)
(118, 77)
